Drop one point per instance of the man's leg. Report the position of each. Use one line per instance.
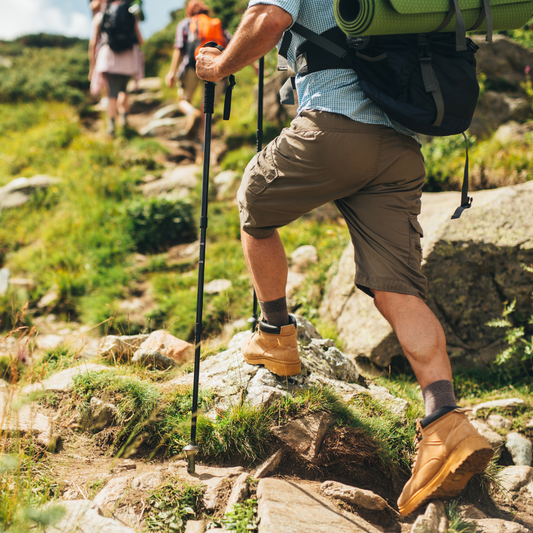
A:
(452, 449)
(420, 335)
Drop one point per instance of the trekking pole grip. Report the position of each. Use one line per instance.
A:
(209, 94)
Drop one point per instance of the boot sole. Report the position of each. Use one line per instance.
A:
(465, 461)
(280, 369)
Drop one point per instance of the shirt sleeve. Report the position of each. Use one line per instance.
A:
(182, 33)
(292, 7)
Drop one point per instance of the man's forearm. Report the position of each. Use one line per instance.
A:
(260, 30)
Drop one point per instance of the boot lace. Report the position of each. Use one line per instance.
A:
(418, 439)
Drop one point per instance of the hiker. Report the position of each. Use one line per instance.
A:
(119, 57)
(190, 35)
(343, 148)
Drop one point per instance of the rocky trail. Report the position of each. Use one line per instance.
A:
(317, 477)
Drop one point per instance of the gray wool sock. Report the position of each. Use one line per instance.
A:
(275, 312)
(438, 394)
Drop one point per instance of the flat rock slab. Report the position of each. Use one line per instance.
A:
(83, 516)
(493, 525)
(27, 421)
(63, 381)
(361, 497)
(507, 403)
(513, 478)
(213, 479)
(285, 507)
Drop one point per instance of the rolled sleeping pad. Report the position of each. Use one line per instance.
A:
(390, 17)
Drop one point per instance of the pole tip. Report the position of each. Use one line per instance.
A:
(190, 451)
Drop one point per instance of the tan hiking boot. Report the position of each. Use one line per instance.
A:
(449, 452)
(275, 347)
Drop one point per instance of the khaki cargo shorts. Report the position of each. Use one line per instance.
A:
(372, 173)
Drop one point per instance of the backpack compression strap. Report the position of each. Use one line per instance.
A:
(466, 201)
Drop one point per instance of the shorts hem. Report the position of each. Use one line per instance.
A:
(367, 284)
(259, 233)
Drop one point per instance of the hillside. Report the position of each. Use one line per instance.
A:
(99, 249)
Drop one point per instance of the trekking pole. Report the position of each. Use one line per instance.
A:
(259, 147)
(209, 102)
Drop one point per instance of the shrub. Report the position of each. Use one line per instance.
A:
(157, 223)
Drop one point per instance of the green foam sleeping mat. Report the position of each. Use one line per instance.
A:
(389, 17)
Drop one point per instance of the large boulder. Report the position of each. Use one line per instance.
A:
(231, 378)
(473, 268)
(503, 64)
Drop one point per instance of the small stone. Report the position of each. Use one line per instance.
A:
(508, 403)
(226, 183)
(493, 525)
(48, 299)
(102, 414)
(294, 281)
(469, 511)
(195, 526)
(4, 281)
(163, 350)
(147, 481)
(302, 257)
(269, 466)
(520, 449)
(530, 424)
(49, 342)
(305, 435)
(361, 497)
(239, 492)
(499, 422)
(529, 488)
(495, 439)
(127, 464)
(112, 494)
(217, 286)
(120, 348)
(434, 520)
(513, 478)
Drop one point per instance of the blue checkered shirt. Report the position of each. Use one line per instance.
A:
(335, 90)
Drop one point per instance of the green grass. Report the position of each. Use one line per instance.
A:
(171, 505)
(26, 483)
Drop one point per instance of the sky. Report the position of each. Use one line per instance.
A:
(71, 17)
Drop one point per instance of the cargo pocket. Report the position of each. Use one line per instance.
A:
(263, 172)
(415, 248)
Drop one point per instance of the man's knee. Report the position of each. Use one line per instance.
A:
(384, 300)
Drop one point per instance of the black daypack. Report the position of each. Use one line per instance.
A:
(426, 82)
(119, 26)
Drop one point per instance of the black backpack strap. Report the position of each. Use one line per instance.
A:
(431, 83)
(466, 201)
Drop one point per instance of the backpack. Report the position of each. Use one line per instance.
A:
(203, 29)
(119, 26)
(425, 82)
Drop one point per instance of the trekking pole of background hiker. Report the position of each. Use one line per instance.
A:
(259, 142)
(209, 102)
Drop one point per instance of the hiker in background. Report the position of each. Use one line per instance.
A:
(96, 6)
(192, 32)
(118, 59)
(343, 148)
